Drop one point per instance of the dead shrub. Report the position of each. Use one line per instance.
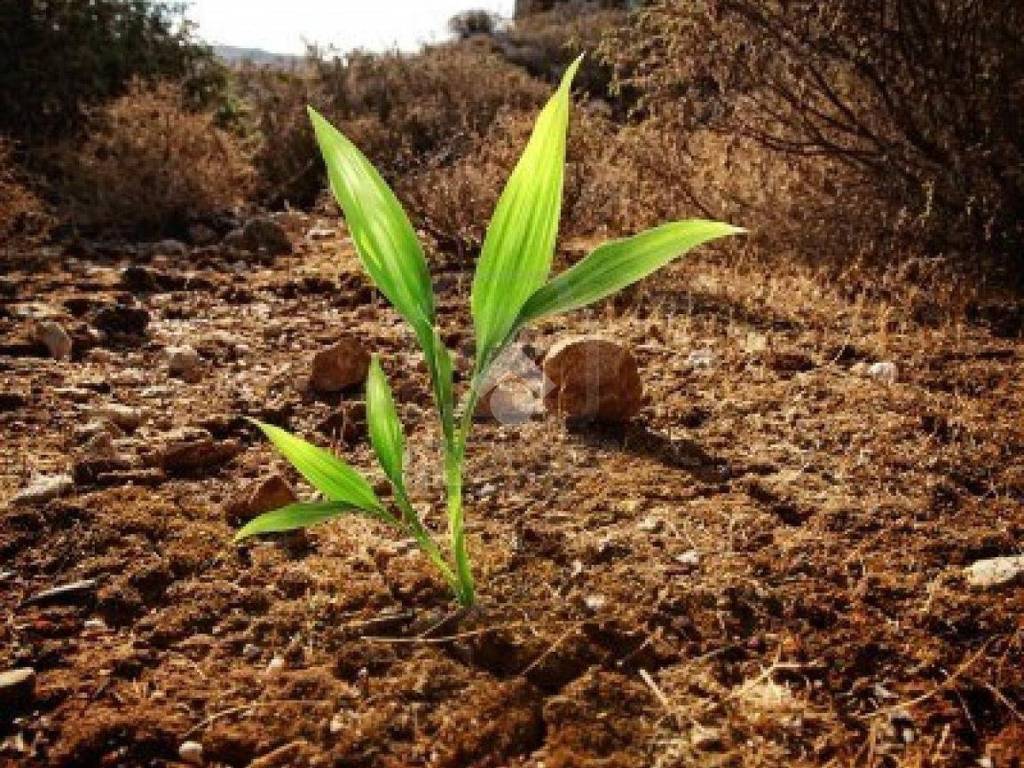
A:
(24, 217)
(149, 167)
(918, 100)
(406, 112)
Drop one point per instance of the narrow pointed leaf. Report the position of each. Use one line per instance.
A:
(444, 392)
(620, 263)
(294, 516)
(326, 472)
(520, 241)
(381, 231)
(382, 420)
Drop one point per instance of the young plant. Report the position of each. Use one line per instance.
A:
(510, 290)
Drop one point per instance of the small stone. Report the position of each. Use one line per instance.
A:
(592, 378)
(594, 603)
(885, 372)
(190, 455)
(261, 234)
(510, 401)
(127, 417)
(52, 335)
(337, 724)
(342, 365)
(191, 752)
(17, 687)
(95, 625)
(261, 496)
(173, 248)
(651, 524)
(276, 665)
(65, 594)
(250, 652)
(700, 359)
(184, 361)
(321, 233)
(995, 572)
(43, 488)
(706, 738)
(690, 558)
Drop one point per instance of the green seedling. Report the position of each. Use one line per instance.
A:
(510, 290)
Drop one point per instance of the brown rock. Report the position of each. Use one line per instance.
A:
(510, 401)
(17, 687)
(261, 496)
(342, 365)
(592, 378)
(190, 455)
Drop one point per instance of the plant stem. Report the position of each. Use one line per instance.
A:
(414, 527)
(456, 525)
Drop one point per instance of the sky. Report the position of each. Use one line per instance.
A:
(280, 26)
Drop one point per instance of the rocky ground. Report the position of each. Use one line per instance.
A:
(786, 558)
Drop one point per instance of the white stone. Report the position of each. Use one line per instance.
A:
(884, 371)
(701, 358)
(995, 571)
(191, 752)
(43, 488)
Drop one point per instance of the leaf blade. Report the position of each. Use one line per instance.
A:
(323, 470)
(385, 429)
(293, 517)
(520, 240)
(380, 229)
(619, 263)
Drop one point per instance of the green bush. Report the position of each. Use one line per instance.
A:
(59, 57)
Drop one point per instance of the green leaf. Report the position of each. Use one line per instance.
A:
(326, 472)
(619, 263)
(383, 236)
(293, 516)
(384, 427)
(520, 241)
(444, 391)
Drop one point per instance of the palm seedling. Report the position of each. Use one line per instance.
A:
(510, 290)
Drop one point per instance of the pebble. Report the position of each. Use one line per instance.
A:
(705, 738)
(75, 592)
(701, 358)
(43, 488)
(173, 248)
(995, 571)
(340, 366)
(17, 687)
(261, 496)
(191, 752)
(337, 724)
(276, 665)
(184, 361)
(127, 417)
(651, 524)
(185, 456)
(885, 371)
(250, 652)
(689, 558)
(592, 378)
(594, 602)
(56, 340)
(511, 401)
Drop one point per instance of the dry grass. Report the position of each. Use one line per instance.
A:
(148, 166)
